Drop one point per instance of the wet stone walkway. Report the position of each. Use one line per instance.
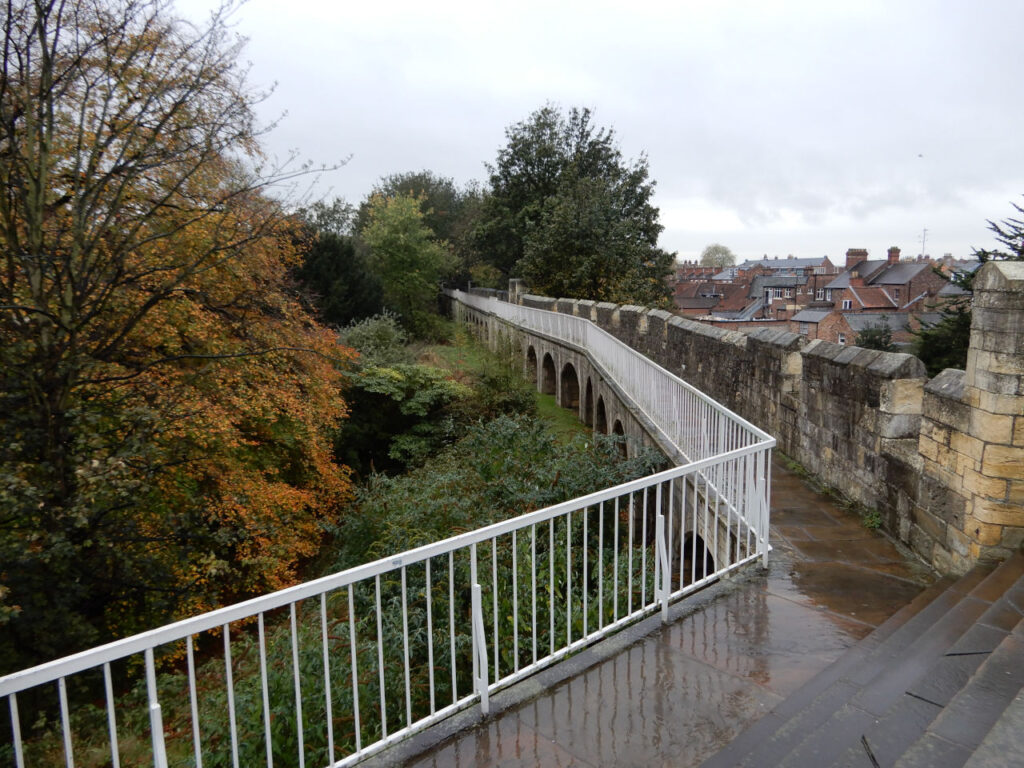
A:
(674, 695)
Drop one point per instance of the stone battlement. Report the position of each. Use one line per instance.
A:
(941, 460)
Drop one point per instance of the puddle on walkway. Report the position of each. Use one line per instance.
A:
(682, 692)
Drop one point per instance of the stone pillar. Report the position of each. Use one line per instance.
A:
(994, 391)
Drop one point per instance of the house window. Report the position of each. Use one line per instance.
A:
(895, 293)
(828, 294)
(804, 328)
(847, 303)
(789, 293)
(819, 294)
(777, 293)
(842, 338)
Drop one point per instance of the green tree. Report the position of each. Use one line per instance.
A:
(335, 270)
(717, 255)
(449, 211)
(407, 258)
(569, 214)
(164, 445)
(876, 337)
(944, 343)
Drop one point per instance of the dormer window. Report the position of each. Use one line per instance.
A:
(847, 303)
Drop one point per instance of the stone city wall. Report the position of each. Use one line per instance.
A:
(940, 460)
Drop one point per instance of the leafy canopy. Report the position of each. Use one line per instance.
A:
(717, 255)
(168, 407)
(407, 258)
(570, 215)
(876, 337)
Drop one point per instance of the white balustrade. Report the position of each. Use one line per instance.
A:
(333, 670)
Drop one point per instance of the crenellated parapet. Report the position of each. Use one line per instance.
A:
(940, 460)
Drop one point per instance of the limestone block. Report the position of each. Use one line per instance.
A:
(994, 402)
(934, 527)
(922, 543)
(897, 365)
(1015, 492)
(901, 396)
(977, 484)
(1013, 538)
(957, 542)
(983, 533)
(953, 414)
(565, 306)
(997, 512)
(1018, 431)
(898, 425)
(967, 445)
(947, 562)
(991, 427)
(997, 383)
(928, 447)
(934, 431)
(1006, 348)
(585, 309)
(1003, 461)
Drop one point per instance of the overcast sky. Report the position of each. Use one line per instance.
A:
(776, 128)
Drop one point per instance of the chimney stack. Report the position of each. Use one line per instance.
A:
(894, 255)
(855, 256)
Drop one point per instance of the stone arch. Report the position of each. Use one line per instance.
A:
(698, 561)
(531, 365)
(588, 404)
(601, 417)
(548, 384)
(570, 389)
(619, 431)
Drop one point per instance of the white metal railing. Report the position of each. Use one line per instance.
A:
(333, 670)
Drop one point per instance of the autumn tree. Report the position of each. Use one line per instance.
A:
(167, 407)
(717, 255)
(568, 213)
(407, 258)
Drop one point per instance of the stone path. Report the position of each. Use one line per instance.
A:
(673, 695)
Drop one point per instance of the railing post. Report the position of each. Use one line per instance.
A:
(662, 572)
(762, 491)
(480, 682)
(156, 721)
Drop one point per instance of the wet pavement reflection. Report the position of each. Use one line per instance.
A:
(683, 691)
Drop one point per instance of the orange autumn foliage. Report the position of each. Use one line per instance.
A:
(168, 407)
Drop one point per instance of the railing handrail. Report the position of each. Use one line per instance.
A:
(179, 630)
(495, 306)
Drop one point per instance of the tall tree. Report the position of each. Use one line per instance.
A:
(335, 270)
(409, 261)
(449, 211)
(167, 407)
(717, 255)
(568, 213)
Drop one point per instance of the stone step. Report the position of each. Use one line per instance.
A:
(754, 737)
(881, 697)
(966, 722)
(1005, 739)
(889, 736)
